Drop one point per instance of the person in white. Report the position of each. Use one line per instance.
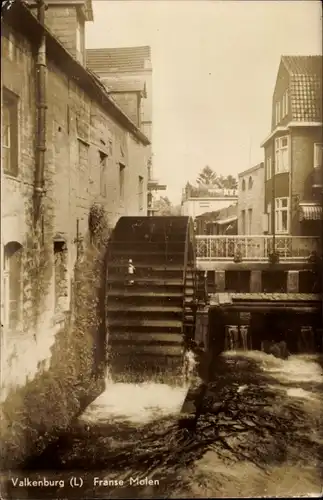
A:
(131, 272)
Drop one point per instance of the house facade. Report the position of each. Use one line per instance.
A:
(293, 150)
(197, 201)
(251, 200)
(94, 156)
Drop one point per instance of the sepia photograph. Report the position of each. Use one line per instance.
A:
(161, 249)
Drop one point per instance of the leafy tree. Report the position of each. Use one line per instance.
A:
(165, 207)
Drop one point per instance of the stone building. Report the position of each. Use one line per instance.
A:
(293, 150)
(126, 72)
(251, 201)
(95, 159)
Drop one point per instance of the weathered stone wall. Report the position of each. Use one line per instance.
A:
(50, 361)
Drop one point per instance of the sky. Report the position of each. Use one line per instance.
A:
(214, 70)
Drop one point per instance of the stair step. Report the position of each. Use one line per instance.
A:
(139, 308)
(145, 323)
(143, 251)
(169, 267)
(148, 338)
(176, 350)
(134, 293)
(146, 281)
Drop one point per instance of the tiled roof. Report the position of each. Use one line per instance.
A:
(117, 85)
(119, 59)
(305, 87)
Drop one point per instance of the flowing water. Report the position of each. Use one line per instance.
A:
(259, 435)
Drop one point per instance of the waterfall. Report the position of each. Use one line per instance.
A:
(245, 337)
(306, 340)
(237, 338)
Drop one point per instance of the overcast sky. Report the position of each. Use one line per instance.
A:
(214, 71)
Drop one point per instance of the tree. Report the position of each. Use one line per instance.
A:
(207, 177)
(229, 182)
(165, 207)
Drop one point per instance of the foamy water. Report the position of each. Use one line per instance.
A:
(137, 403)
(297, 368)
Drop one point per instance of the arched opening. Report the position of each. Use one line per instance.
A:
(250, 183)
(243, 185)
(12, 283)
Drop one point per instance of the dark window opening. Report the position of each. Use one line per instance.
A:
(237, 281)
(141, 192)
(122, 169)
(103, 174)
(10, 133)
(274, 281)
(310, 282)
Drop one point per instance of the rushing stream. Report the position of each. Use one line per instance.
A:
(260, 434)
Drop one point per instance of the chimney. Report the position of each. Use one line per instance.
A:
(66, 20)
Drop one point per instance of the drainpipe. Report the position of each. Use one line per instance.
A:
(41, 114)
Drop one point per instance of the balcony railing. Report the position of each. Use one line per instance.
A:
(255, 248)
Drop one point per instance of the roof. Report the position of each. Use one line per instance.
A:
(251, 169)
(305, 87)
(119, 59)
(21, 19)
(116, 85)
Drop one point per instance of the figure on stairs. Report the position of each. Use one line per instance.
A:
(131, 272)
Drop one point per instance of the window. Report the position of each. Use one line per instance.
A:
(281, 156)
(285, 104)
(269, 217)
(243, 221)
(243, 185)
(318, 148)
(268, 168)
(10, 133)
(60, 276)
(121, 181)
(103, 174)
(12, 284)
(278, 117)
(250, 183)
(141, 192)
(282, 215)
(83, 165)
(249, 220)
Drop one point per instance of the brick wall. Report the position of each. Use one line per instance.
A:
(72, 185)
(253, 199)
